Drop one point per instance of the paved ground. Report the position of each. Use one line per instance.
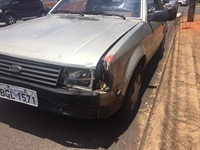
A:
(174, 122)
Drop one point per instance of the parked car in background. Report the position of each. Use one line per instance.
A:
(12, 10)
(172, 7)
(85, 59)
(183, 2)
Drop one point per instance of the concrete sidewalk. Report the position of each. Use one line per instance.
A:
(174, 122)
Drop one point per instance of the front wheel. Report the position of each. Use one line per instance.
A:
(41, 14)
(10, 19)
(173, 16)
(127, 109)
(161, 48)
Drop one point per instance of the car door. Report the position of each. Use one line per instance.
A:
(157, 27)
(21, 8)
(34, 7)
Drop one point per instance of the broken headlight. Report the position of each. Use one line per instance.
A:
(77, 77)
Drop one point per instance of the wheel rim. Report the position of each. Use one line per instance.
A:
(136, 91)
(11, 19)
(42, 15)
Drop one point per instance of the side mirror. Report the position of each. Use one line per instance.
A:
(47, 9)
(158, 16)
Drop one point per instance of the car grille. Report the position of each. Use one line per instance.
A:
(31, 71)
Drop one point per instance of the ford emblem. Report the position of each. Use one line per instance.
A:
(15, 68)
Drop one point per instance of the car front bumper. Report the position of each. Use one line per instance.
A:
(72, 103)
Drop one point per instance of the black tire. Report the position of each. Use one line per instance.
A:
(161, 49)
(42, 14)
(10, 19)
(173, 16)
(127, 110)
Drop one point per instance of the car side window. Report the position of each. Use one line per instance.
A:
(160, 3)
(152, 5)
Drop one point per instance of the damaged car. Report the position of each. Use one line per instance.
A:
(84, 59)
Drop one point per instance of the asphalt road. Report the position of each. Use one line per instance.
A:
(25, 128)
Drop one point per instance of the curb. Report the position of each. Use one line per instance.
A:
(176, 23)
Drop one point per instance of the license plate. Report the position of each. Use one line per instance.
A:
(19, 94)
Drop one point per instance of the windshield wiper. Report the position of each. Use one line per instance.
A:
(103, 13)
(89, 12)
(68, 12)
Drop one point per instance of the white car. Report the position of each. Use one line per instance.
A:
(85, 59)
(183, 2)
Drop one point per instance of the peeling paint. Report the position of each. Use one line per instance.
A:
(110, 58)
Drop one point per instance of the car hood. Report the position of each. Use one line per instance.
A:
(67, 40)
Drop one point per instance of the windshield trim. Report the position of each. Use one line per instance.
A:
(121, 14)
(93, 16)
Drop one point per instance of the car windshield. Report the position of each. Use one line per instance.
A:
(121, 8)
(5, 1)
